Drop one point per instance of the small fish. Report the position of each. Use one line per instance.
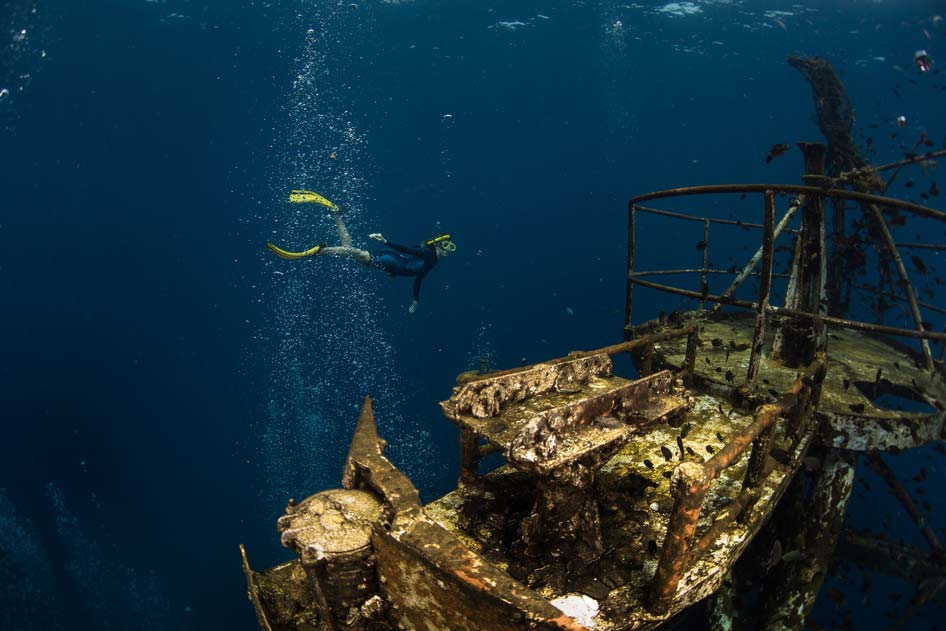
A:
(730, 376)
(775, 556)
(700, 246)
(716, 342)
(690, 451)
(710, 449)
(776, 151)
(685, 430)
(918, 264)
(856, 407)
(720, 438)
(791, 556)
(680, 446)
(648, 464)
(666, 453)
(666, 474)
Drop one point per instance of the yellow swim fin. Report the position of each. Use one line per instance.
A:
(308, 197)
(285, 254)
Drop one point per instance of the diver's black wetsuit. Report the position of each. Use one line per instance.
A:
(403, 260)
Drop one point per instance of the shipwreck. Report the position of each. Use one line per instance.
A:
(626, 502)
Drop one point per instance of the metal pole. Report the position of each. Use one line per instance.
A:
(704, 281)
(629, 294)
(747, 270)
(907, 286)
(765, 285)
(469, 456)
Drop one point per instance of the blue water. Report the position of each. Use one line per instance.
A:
(167, 384)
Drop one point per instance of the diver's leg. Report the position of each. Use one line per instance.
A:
(347, 252)
(343, 235)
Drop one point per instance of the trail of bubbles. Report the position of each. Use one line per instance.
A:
(25, 34)
(326, 320)
(618, 65)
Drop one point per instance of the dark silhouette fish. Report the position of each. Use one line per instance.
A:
(776, 151)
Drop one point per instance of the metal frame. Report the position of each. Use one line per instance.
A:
(762, 306)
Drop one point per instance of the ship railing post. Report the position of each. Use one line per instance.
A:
(469, 456)
(688, 486)
(761, 447)
(704, 278)
(629, 295)
(765, 285)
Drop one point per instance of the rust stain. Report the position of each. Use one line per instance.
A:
(567, 622)
(472, 580)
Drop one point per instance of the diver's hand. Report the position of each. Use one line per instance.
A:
(413, 307)
(377, 236)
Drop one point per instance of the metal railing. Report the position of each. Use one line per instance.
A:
(691, 481)
(764, 257)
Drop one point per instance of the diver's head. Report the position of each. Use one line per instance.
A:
(442, 244)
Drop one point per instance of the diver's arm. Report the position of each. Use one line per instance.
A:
(417, 281)
(406, 249)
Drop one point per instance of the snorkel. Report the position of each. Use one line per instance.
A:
(442, 243)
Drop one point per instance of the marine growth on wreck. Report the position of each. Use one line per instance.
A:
(709, 482)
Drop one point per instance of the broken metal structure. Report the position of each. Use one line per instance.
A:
(625, 501)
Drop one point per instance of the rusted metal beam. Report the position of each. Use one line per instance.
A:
(747, 270)
(469, 456)
(697, 270)
(625, 347)
(907, 285)
(797, 340)
(856, 174)
(723, 523)
(765, 284)
(704, 279)
(367, 468)
(688, 486)
(793, 189)
(629, 290)
(792, 313)
(922, 246)
(686, 217)
(252, 592)
(885, 294)
(878, 466)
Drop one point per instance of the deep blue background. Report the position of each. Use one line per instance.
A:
(167, 385)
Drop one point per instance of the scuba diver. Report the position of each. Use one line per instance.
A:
(398, 260)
